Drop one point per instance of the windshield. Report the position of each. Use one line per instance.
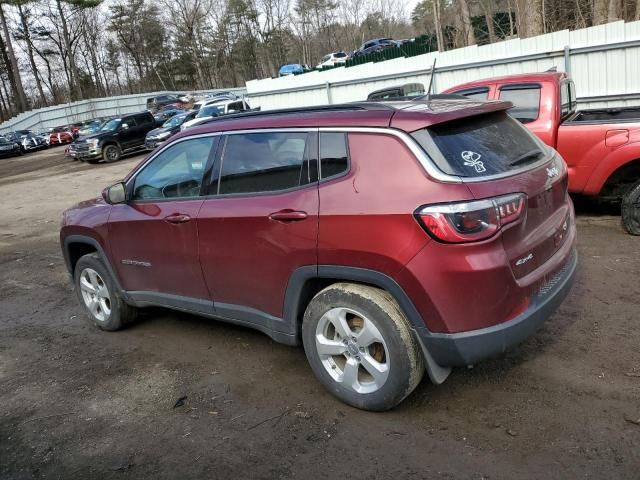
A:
(480, 146)
(174, 121)
(111, 125)
(210, 111)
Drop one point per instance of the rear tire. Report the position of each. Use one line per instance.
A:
(360, 346)
(111, 153)
(100, 297)
(631, 210)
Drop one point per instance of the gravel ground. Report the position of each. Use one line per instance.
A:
(81, 403)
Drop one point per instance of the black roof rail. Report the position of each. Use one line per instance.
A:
(355, 106)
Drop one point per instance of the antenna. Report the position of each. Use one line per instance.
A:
(433, 71)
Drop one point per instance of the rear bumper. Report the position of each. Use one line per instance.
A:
(467, 348)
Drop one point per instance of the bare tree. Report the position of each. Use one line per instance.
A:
(487, 10)
(21, 98)
(529, 18)
(466, 32)
(437, 22)
(600, 11)
(24, 33)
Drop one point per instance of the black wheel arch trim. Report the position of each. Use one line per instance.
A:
(302, 275)
(71, 239)
(110, 141)
(293, 299)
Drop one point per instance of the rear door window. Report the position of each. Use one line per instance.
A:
(525, 99)
(144, 119)
(235, 107)
(264, 162)
(480, 146)
(129, 121)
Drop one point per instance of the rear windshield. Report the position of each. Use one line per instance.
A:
(480, 146)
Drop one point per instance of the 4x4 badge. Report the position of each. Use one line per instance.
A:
(553, 172)
(472, 159)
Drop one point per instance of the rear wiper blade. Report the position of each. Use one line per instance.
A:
(525, 157)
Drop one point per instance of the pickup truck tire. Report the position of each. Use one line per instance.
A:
(111, 153)
(100, 297)
(360, 346)
(631, 210)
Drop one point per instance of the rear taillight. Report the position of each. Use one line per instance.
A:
(471, 221)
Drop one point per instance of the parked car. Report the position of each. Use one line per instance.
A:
(209, 99)
(600, 146)
(60, 136)
(336, 58)
(115, 138)
(296, 223)
(406, 91)
(156, 103)
(212, 110)
(9, 148)
(375, 45)
(43, 134)
(157, 136)
(291, 69)
(164, 115)
(29, 141)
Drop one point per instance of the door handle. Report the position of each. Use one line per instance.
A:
(288, 216)
(178, 218)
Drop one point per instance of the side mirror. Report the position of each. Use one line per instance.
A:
(124, 126)
(115, 194)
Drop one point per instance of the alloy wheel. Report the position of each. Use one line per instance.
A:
(112, 154)
(352, 350)
(95, 294)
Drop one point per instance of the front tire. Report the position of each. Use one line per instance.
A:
(631, 210)
(111, 153)
(360, 346)
(100, 297)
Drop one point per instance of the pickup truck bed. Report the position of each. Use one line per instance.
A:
(606, 115)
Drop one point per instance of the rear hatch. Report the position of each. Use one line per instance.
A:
(495, 156)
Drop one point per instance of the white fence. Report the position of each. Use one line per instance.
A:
(604, 62)
(86, 109)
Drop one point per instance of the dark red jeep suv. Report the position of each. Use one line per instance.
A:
(388, 238)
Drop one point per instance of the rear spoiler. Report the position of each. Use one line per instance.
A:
(440, 109)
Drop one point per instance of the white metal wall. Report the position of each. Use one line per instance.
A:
(85, 110)
(604, 62)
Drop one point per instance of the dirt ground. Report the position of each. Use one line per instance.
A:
(76, 402)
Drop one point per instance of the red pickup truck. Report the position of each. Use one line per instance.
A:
(601, 147)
